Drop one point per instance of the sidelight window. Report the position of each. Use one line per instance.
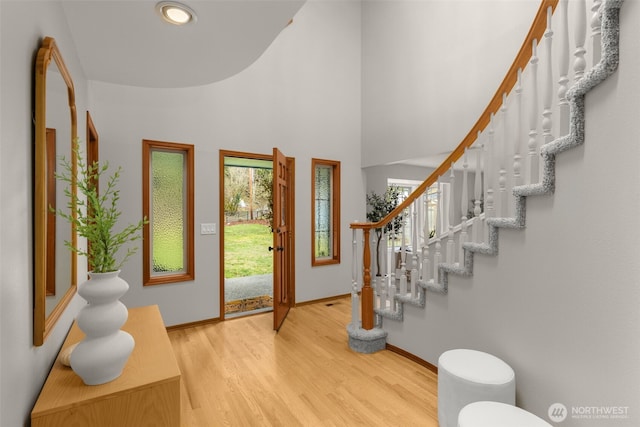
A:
(168, 203)
(325, 224)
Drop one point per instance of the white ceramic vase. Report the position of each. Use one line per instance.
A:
(102, 354)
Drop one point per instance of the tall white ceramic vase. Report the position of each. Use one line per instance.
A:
(102, 354)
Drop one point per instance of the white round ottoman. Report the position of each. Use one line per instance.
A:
(497, 414)
(467, 376)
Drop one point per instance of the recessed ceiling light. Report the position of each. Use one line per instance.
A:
(175, 13)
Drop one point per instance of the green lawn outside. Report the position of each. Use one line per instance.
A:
(246, 250)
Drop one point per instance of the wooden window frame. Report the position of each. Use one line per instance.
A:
(335, 207)
(189, 274)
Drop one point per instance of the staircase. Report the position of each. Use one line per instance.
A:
(505, 175)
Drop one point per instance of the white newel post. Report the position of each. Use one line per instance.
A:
(563, 66)
(580, 34)
(596, 39)
(532, 145)
(355, 300)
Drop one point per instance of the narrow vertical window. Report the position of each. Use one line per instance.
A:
(325, 207)
(168, 203)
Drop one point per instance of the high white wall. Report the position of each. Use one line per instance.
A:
(1, 215)
(560, 301)
(302, 96)
(427, 75)
(23, 366)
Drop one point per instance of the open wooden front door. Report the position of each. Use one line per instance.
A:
(282, 239)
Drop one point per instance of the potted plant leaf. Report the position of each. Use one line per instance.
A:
(378, 207)
(101, 356)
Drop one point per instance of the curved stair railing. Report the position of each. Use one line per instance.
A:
(500, 154)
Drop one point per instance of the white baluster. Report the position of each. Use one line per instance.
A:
(502, 180)
(436, 257)
(403, 256)
(385, 252)
(382, 279)
(464, 206)
(414, 249)
(532, 145)
(477, 191)
(425, 239)
(385, 258)
(379, 279)
(355, 300)
(374, 280)
(488, 176)
(547, 122)
(563, 64)
(517, 159)
(392, 277)
(392, 293)
(595, 31)
(451, 256)
(580, 34)
(419, 230)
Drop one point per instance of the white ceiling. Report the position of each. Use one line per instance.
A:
(126, 42)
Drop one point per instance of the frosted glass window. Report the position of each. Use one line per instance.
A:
(326, 212)
(168, 203)
(168, 211)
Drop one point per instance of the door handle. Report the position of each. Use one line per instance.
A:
(277, 248)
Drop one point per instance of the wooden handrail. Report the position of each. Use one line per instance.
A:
(524, 55)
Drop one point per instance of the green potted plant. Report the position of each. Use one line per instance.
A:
(378, 207)
(101, 356)
(96, 215)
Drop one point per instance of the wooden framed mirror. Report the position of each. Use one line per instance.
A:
(55, 266)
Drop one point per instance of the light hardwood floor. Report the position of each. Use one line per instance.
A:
(241, 373)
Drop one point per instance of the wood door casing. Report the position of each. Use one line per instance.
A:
(291, 226)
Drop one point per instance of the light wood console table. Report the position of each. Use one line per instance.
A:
(146, 394)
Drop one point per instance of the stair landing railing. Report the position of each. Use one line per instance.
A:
(500, 151)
